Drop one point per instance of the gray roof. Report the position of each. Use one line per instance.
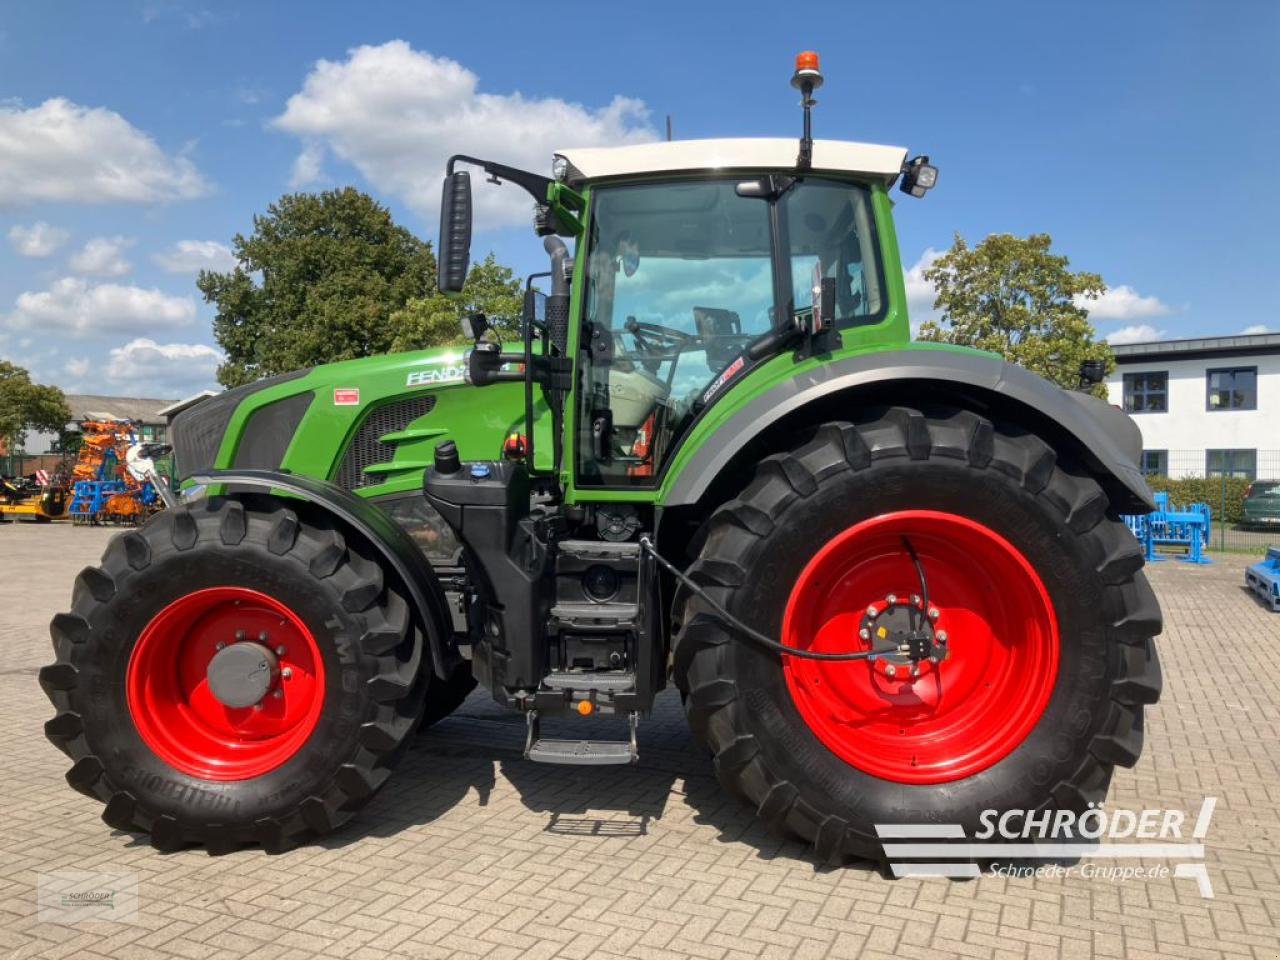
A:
(85, 406)
(1245, 343)
(173, 409)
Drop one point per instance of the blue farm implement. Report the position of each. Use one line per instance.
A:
(1263, 578)
(1173, 526)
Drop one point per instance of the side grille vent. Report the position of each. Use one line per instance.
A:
(365, 447)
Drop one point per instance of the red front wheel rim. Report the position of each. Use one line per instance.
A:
(174, 709)
(955, 717)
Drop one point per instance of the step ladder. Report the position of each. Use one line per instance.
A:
(579, 752)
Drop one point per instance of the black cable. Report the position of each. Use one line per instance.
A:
(647, 545)
(924, 583)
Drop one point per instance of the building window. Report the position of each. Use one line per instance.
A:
(152, 434)
(1155, 463)
(1146, 392)
(1233, 388)
(1231, 463)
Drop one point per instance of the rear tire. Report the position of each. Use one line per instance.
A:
(168, 760)
(811, 778)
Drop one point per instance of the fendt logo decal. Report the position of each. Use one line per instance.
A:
(422, 378)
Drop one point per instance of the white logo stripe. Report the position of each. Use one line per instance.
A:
(919, 831)
(1206, 814)
(935, 869)
(1049, 851)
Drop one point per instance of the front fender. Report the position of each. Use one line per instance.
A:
(395, 548)
(1109, 440)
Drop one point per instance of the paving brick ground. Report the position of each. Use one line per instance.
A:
(473, 852)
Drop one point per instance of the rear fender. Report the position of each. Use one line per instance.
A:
(395, 548)
(1104, 438)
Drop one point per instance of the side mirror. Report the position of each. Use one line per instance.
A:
(534, 315)
(474, 325)
(1092, 372)
(454, 255)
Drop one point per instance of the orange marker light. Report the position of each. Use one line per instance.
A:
(586, 707)
(807, 60)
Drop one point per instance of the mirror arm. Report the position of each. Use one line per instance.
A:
(535, 184)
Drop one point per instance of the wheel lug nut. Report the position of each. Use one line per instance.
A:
(257, 706)
(240, 635)
(287, 672)
(942, 636)
(864, 633)
(933, 613)
(915, 671)
(219, 645)
(279, 651)
(871, 610)
(891, 670)
(915, 599)
(891, 599)
(278, 694)
(263, 637)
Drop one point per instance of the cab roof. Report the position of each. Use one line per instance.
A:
(743, 153)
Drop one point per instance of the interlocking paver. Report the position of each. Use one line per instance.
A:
(472, 852)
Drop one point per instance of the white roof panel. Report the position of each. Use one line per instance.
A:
(774, 153)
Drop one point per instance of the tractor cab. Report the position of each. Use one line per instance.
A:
(696, 263)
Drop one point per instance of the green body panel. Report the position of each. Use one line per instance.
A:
(478, 421)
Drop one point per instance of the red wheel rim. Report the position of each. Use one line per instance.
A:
(958, 716)
(176, 713)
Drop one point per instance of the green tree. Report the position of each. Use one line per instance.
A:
(433, 321)
(318, 281)
(1012, 296)
(25, 405)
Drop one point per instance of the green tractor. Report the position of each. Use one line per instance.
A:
(890, 580)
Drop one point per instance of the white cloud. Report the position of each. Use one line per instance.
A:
(920, 292)
(1138, 333)
(74, 306)
(1256, 328)
(61, 151)
(78, 367)
(307, 167)
(103, 257)
(1122, 303)
(192, 256)
(397, 114)
(145, 367)
(37, 240)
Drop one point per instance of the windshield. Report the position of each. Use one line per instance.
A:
(680, 279)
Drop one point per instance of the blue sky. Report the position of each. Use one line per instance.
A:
(137, 138)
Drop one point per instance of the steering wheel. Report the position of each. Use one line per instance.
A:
(654, 336)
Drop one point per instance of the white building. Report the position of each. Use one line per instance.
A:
(1206, 407)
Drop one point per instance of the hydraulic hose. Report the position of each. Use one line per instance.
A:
(767, 642)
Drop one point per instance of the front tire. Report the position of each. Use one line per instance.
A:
(172, 754)
(1051, 656)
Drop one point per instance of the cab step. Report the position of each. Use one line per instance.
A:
(579, 752)
(585, 681)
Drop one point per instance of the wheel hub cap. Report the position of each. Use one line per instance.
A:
(240, 675)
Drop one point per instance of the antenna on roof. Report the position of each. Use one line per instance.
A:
(668, 128)
(806, 79)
